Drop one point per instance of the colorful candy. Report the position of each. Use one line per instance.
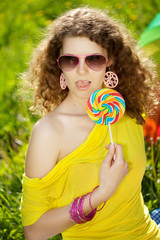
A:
(106, 106)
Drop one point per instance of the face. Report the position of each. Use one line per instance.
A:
(82, 81)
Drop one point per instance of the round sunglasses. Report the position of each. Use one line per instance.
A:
(96, 62)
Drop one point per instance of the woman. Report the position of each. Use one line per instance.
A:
(71, 170)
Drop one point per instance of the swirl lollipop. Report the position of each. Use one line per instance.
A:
(106, 106)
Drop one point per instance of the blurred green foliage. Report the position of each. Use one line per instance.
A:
(22, 25)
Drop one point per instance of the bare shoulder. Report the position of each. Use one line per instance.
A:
(44, 147)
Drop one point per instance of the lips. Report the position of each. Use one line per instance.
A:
(82, 83)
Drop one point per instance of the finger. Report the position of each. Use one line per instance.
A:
(118, 151)
(107, 147)
(110, 153)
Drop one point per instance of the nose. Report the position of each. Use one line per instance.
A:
(82, 66)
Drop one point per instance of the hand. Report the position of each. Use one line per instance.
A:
(112, 171)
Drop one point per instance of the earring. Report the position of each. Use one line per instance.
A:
(63, 83)
(111, 79)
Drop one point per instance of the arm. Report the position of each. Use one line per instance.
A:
(58, 220)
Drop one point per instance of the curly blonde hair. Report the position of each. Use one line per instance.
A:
(134, 71)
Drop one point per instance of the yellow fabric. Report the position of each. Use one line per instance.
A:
(124, 217)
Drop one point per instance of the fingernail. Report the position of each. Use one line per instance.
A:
(107, 146)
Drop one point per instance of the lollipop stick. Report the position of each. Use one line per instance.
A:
(111, 136)
(110, 133)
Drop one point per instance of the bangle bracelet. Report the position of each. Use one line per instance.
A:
(90, 200)
(78, 211)
(90, 215)
(70, 212)
(74, 211)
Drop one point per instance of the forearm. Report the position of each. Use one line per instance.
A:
(57, 220)
(49, 224)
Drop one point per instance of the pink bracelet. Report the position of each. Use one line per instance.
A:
(70, 212)
(81, 208)
(90, 201)
(90, 216)
(78, 212)
(74, 211)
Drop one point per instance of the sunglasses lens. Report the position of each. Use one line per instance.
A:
(68, 63)
(96, 62)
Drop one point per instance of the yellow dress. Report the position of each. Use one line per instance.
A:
(124, 217)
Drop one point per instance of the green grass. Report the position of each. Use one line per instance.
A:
(151, 180)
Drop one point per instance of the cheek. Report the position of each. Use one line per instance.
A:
(70, 79)
(99, 77)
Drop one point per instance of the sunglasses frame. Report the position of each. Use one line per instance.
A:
(79, 57)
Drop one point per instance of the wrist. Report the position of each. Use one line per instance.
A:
(76, 212)
(100, 194)
(97, 199)
(90, 196)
